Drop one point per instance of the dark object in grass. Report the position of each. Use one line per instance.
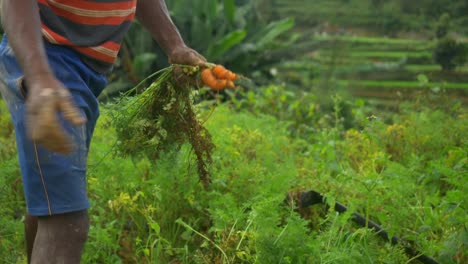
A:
(161, 119)
(307, 199)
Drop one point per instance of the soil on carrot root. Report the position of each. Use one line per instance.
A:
(161, 119)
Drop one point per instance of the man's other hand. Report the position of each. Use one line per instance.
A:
(47, 98)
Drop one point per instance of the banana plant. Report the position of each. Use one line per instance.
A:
(231, 32)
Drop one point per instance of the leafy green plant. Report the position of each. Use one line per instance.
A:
(449, 53)
(407, 175)
(227, 32)
(161, 119)
(11, 193)
(443, 26)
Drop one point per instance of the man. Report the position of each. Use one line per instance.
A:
(53, 59)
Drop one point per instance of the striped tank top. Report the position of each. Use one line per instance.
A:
(93, 28)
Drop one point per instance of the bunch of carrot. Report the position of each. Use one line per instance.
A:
(218, 77)
(162, 118)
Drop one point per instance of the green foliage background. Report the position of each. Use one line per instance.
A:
(295, 127)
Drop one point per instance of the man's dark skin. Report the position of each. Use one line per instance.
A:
(60, 238)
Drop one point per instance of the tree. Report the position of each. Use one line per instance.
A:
(449, 53)
(443, 26)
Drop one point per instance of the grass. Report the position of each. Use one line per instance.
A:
(422, 67)
(406, 174)
(431, 67)
(373, 40)
(391, 54)
(381, 54)
(402, 84)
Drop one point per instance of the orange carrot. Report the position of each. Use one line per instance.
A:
(230, 84)
(208, 78)
(218, 77)
(230, 76)
(220, 84)
(219, 71)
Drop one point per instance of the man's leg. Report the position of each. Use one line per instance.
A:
(30, 229)
(54, 184)
(60, 238)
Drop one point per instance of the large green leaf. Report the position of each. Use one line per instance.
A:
(230, 10)
(221, 46)
(211, 9)
(273, 30)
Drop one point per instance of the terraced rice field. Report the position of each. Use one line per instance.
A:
(364, 64)
(382, 68)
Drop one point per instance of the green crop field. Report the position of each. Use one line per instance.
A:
(341, 97)
(363, 40)
(377, 62)
(402, 84)
(408, 176)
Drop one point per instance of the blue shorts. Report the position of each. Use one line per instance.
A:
(53, 183)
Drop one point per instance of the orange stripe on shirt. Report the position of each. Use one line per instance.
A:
(111, 45)
(95, 54)
(102, 53)
(91, 5)
(57, 38)
(87, 20)
(88, 12)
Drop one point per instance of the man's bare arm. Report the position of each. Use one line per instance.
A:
(154, 16)
(46, 95)
(21, 22)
